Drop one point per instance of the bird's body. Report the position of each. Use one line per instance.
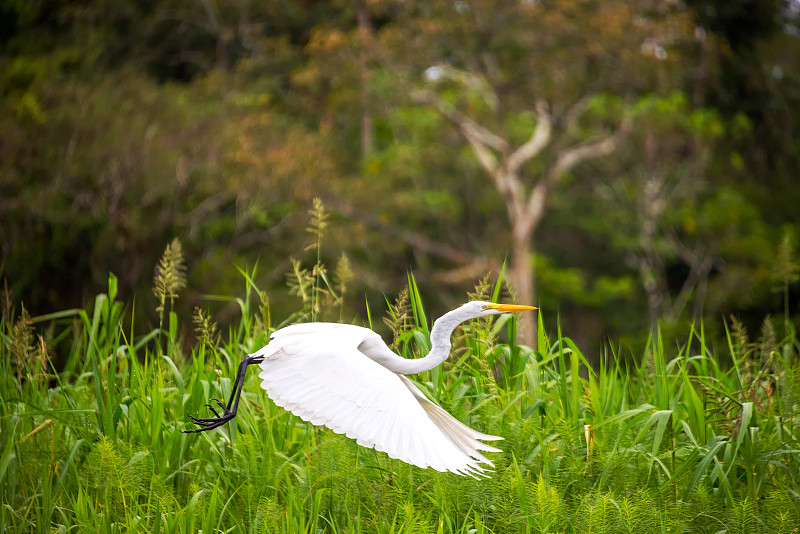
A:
(325, 374)
(346, 378)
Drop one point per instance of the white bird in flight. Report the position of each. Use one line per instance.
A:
(346, 378)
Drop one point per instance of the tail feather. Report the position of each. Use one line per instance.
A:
(462, 436)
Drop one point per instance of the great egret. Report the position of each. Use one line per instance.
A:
(346, 378)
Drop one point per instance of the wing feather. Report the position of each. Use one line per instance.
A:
(449, 424)
(316, 371)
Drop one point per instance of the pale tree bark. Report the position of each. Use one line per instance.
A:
(698, 257)
(651, 203)
(467, 267)
(525, 197)
(657, 193)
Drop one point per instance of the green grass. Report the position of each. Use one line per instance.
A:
(676, 443)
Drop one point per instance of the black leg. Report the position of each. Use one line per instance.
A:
(229, 410)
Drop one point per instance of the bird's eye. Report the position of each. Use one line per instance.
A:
(485, 306)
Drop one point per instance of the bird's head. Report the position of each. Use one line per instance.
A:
(479, 308)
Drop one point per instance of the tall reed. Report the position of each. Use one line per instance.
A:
(676, 442)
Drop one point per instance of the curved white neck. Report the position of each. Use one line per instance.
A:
(440, 345)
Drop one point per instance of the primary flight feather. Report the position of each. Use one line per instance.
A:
(346, 378)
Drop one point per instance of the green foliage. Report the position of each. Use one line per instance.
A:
(121, 125)
(678, 443)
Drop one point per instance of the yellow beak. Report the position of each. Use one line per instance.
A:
(505, 308)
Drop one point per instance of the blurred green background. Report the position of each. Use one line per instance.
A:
(633, 162)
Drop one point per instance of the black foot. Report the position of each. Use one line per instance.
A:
(228, 410)
(210, 423)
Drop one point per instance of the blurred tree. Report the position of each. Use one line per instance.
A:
(746, 67)
(748, 63)
(525, 206)
(102, 165)
(125, 125)
(95, 184)
(692, 241)
(523, 85)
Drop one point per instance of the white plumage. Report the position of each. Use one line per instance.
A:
(346, 378)
(317, 372)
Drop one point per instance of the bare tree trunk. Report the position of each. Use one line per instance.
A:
(655, 196)
(522, 277)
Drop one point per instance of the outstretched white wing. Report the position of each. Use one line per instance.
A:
(316, 371)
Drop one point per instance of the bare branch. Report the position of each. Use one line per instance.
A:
(419, 242)
(700, 262)
(536, 143)
(534, 208)
(212, 14)
(567, 159)
(469, 272)
(466, 123)
(472, 81)
(575, 111)
(484, 155)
